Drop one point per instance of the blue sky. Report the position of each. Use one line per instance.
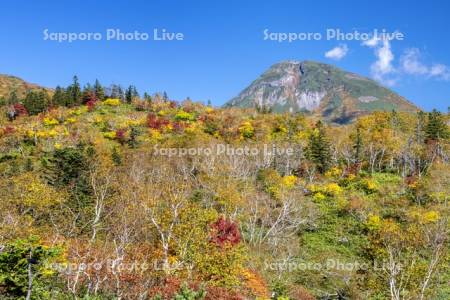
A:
(224, 48)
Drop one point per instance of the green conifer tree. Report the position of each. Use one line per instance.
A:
(13, 99)
(131, 93)
(36, 101)
(436, 128)
(73, 93)
(147, 97)
(318, 150)
(358, 145)
(59, 97)
(99, 91)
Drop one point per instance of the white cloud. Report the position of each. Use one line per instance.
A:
(385, 57)
(411, 64)
(382, 69)
(337, 53)
(440, 71)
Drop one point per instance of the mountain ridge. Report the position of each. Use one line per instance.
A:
(11, 83)
(325, 90)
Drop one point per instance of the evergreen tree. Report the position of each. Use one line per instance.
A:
(134, 133)
(73, 93)
(147, 97)
(436, 128)
(29, 165)
(358, 145)
(69, 167)
(131, 93)
(395, 120)
(318, 150)
(116, 157)
(13, 99)
(165, 97)
(128, 95)
(22, 269)
(99, 91)
(59, 97)
(36, 102)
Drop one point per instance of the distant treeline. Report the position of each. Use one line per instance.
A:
(39, 100)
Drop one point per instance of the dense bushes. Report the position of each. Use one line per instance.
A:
(25, 269)
(89, 178)
(36, 102)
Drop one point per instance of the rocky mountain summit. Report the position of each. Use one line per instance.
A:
(305, 86)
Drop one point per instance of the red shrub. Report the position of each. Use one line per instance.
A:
(167, 290)
(9, 130)
(20, 110)
(6, 131)
(155, 122)
(121, 135)
(91, 105)
(225, 232)
(88, 97)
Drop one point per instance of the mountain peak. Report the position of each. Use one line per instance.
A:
(332, 93)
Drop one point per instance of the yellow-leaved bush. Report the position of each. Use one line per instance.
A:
(422, 216)
(333, 189)
(48, 121)
(110, 135)
(246, 130)
(70, 120)
(111, 102)
(333, 172)
(289, 181)
(373, 222)
(30, 191)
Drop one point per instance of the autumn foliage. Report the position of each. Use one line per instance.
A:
(20, 109)
(156, 122)
(225, 232)
(96, 179)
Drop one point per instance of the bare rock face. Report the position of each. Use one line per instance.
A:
(338, 96)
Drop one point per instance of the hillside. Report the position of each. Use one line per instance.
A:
(9, 83)
(324, 90)
(153, 199)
